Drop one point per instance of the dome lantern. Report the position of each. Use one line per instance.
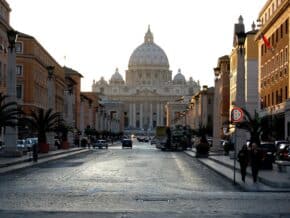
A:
(148, 36)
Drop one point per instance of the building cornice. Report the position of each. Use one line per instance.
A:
(267, 25)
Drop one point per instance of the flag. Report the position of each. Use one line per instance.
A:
(267, 43)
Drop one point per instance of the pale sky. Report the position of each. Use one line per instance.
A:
(97, 36)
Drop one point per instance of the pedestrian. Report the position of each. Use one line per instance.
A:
(256, 158)
(35, 152)
(243, 158)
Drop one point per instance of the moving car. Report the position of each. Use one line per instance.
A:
(101, 143)
(283, 152)
(127, 143)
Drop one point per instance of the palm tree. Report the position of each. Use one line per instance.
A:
(8, 112)
(253, 125)
(43, 122)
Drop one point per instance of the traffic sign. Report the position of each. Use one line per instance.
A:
(237, 114)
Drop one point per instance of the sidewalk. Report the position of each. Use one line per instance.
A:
(268, 180)
(8, 164)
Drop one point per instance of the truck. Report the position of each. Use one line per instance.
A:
(173, 139)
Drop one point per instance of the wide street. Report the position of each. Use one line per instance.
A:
(142, 182)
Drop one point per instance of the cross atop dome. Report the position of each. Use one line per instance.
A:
(148, 36)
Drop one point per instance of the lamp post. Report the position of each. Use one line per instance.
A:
(217, 109)
(11, 133)
(50, 101)
(70, 120)
(50, 87)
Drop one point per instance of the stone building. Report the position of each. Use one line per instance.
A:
(221, 100)
(147, 87)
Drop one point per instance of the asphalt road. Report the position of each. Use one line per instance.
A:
(142, 182)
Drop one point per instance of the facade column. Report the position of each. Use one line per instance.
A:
(11, 134)
(82, 116)
(91, 116)
(130, 115)
(161, 114)
(141, 116)
(134, 115)
(158, 114)
(151, 117)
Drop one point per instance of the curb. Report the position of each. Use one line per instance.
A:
(245, 187)
(28, 163)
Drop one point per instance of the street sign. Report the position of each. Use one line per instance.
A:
(237, 114)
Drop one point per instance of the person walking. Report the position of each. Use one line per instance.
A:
(256, 158)
(243, 158)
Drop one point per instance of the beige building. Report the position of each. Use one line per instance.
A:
(147, 88)
(274, 77)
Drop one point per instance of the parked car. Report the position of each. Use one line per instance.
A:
(127, 143)
(268, 150)
(283, 152)
(153, 141)
(101, 143)
(29, 142)
(277, 143)
(21, 145)
(2, 145)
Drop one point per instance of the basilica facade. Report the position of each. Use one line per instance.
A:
(138, 102)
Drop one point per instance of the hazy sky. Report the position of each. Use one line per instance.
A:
(96, 36)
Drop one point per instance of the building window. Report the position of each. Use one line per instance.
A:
(272, 98)
(286, 92)
(1, 76)
(286, 26)
(281, 31)
(19, 70)
(18, 47)
(19, 91)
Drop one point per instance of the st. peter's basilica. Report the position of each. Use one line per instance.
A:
(138, 102)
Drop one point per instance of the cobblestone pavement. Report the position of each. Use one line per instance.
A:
(142, 182)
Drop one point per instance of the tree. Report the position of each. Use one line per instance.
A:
(43, 122)
(63, 129)
(8, 112)
(252, 124)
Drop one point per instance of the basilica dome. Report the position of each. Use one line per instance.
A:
(179, 78)
(117, 77)
(148, 55)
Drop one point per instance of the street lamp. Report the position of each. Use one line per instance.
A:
(241, 37)
(12, 37)
(216, 72)
(50, 70)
